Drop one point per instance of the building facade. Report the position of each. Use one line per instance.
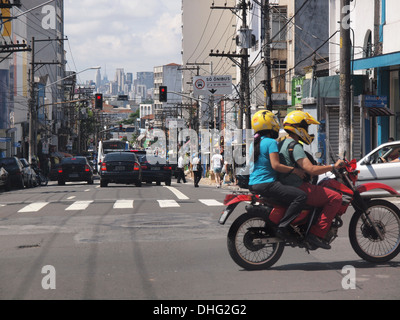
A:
(374, 25)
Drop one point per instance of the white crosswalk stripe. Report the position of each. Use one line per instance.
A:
(123, 204)
(33, 207)
(168, 203)
(211, 202)
(79, 205)
(118, 204)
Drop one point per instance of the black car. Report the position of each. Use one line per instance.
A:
(120, 167)
(17, 174)
(155, 169)
(5, 182)
(75, 169)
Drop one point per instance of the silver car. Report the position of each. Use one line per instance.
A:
(381, 165)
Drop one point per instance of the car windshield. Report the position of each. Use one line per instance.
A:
(120, 157)
(77, 160)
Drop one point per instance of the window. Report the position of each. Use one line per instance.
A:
(278, 20)
(278, 76)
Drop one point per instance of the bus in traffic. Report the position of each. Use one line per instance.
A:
(108, 146)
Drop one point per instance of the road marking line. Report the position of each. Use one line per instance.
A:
(70, 198)
(168, 203)
(123, 204)
(176, 192)
(211, 202)
(33, 207)
(79, 205)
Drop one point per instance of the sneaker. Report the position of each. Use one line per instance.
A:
(318, 242)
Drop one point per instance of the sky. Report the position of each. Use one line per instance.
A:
(135, 35)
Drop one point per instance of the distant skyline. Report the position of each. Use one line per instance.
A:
(134, 35)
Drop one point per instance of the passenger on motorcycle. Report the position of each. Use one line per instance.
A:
(263, 171)
(296, 125)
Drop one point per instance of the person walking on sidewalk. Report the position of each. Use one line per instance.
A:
(217, 161)
(197, 170)
(181, 170)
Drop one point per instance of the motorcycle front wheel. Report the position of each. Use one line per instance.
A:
(251, 244)
(372, 245)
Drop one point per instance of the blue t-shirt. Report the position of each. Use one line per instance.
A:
(261, 171)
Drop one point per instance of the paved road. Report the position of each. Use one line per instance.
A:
(157, 242)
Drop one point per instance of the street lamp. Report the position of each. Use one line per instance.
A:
(59, 80)
(32, 111)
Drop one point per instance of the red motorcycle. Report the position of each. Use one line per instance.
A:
(374, 229)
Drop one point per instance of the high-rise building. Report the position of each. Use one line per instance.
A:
(120, 79)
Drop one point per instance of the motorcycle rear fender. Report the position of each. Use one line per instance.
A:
(234, 198)
(227, 212)
(376, 185)
(231, 201)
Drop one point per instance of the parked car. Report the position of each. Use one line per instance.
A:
(154, 170)
(75, 169)
(120, 167)
(5, 182)
(15, 169)
(31, 180)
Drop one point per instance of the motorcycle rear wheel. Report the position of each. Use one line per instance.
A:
(244, 243)
(365, 240)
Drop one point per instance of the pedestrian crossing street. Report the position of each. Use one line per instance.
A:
(118, 204)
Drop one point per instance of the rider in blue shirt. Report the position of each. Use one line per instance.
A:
(263, 177)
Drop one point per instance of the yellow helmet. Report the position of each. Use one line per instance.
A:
(297, 122)
(265, 120)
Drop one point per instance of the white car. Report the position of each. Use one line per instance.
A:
(381, 165)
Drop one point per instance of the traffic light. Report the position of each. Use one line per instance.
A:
(163, 94)
(98, 101)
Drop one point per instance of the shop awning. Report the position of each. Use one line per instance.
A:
(379, 112)
(384, 60)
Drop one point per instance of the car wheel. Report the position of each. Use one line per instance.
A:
(61, 183)
(168, 182)
(158, 183)
(90, 181)
(138, 183)
(103, 184)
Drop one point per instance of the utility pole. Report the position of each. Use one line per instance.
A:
(244, 94)
(245, 77)
(267, 57)
(32, 104)
(32, 151)
(345, 78)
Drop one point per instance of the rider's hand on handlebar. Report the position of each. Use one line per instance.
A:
(339, 164)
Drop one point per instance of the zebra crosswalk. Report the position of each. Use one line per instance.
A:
(117, 205)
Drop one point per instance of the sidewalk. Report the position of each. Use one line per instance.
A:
(211, 183)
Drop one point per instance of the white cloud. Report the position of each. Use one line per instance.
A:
(135, 35)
